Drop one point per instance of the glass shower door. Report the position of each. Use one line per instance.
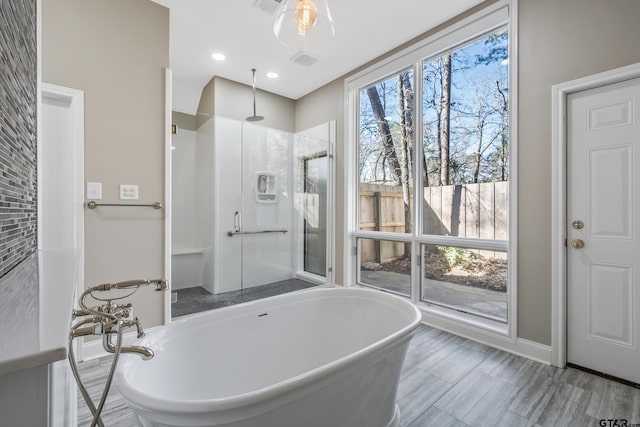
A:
(315, 218)
(311, 181)
(267, 210)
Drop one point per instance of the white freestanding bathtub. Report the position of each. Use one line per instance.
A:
(327, 357)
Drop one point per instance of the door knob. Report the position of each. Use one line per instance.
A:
(577, 244)
(577, 224)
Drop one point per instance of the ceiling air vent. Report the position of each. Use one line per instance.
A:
(268, 6)
(303, 58)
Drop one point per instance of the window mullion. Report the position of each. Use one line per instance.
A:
(418, 190)
(417, 150)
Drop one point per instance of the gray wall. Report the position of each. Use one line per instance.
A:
(116, 52)
(183, 120)
(558, 41)
(232, 100)
(18, 126)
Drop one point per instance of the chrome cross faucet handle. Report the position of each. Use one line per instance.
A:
(135, 322)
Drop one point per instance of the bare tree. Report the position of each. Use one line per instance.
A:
(445, 128)
(405, 107)
(385, 134)
(503, 154)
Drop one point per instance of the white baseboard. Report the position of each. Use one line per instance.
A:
(519, 346)
(533, 350)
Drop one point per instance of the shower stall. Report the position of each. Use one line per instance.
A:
(260, 212)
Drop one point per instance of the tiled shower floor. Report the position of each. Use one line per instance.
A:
(197, 299)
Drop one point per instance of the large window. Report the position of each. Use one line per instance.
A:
(433, 168)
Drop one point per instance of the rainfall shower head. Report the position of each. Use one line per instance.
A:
(254, 118)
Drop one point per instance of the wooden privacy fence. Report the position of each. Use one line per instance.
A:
(467, 210)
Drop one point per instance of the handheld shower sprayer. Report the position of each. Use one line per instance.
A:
(161, 285)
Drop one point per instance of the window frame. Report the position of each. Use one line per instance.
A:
(501, 14)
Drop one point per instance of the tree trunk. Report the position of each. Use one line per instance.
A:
(504, 113)
(477, 156)
(405, 93)
(405, 107)
(425, 177)
(385, 133)
(446, 121)
(439, 127)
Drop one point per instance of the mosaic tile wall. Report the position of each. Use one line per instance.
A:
(18, 127)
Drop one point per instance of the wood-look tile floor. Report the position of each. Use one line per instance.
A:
(116, 413)
(451, 381)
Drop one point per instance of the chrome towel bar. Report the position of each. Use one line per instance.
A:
(92, 204)
(234, 232)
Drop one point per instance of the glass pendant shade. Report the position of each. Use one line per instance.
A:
(304, 24)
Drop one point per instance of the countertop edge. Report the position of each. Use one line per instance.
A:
(32, 360)
(37, 315)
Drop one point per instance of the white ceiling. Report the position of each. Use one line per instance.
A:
(365, 29)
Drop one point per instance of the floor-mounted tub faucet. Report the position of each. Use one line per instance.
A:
(108, 319)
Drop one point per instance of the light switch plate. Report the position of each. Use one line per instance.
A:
(94, 190)
(128, 192)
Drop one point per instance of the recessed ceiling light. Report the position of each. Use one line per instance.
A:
(218, 56)
(272, 75)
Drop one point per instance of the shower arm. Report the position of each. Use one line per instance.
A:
(254, 93)
(254, 118)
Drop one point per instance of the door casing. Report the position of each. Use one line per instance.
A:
(559, 198)
(65, 408)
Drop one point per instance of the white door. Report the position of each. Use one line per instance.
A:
(603, 208)
(58, 170)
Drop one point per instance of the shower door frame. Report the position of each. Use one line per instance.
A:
(305, 224)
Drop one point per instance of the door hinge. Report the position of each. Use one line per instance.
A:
(355, 250)
(565, 243)
(330, 269)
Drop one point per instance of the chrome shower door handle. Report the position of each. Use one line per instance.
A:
(237, 222)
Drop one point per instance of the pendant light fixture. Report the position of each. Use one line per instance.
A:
(304, 24)
(254, 118)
